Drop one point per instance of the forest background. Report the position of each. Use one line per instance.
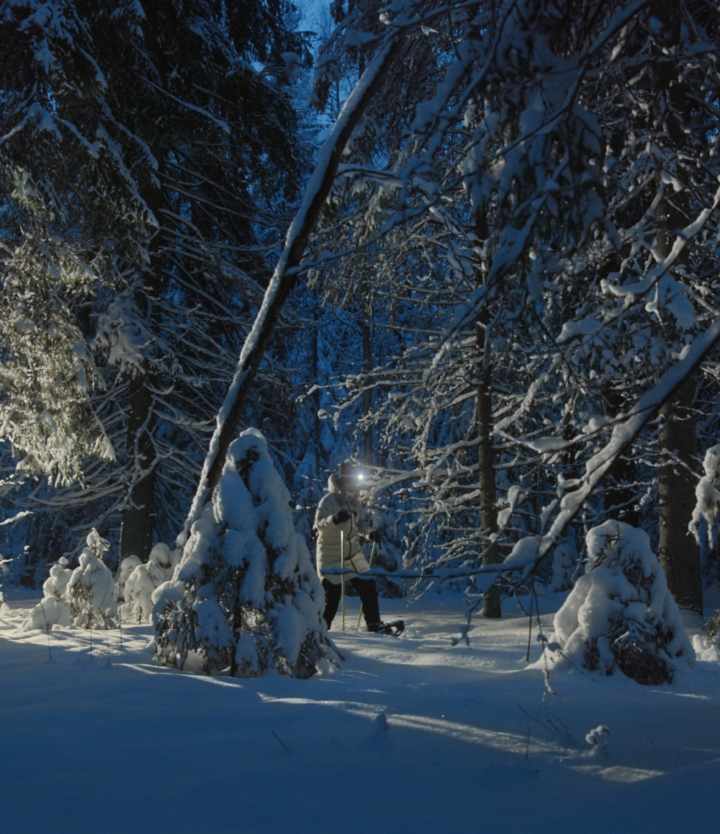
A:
(505, 306)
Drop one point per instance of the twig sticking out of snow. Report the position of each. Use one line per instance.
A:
(598, 738)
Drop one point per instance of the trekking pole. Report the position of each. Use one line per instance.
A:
(372, 557)
(342, 578)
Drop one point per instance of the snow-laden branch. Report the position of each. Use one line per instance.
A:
(530, 550)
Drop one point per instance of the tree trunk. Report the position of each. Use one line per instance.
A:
(486, 467)
(678, 551)
(484, 428)
(621, 500)
(367, 392)
(138, 516)
(317, 423)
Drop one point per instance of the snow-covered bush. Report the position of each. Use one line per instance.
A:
(245, 597)
(54, 609)
(56, 584)
(144, 580)
(620, 612)
(91, 589)
(127, 566)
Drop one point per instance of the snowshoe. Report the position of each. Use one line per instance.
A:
(395, 628)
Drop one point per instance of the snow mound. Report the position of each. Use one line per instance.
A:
(245, 597)
(620, 613)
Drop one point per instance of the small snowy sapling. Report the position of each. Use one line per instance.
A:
(144, 579)
(245, 597)
(54, 609)
(620, 614)
(91, 589)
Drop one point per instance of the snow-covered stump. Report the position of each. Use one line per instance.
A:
(620, 613)
(245, 597)
(91, 589)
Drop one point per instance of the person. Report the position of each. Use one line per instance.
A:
(340, 521)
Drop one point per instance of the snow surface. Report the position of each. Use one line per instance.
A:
(411, 735)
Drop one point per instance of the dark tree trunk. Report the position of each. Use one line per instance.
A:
(317, 423)
(484, 428)
(367, 392)
(138, 516)
(621, 500)
(678, 551)
(486, 467)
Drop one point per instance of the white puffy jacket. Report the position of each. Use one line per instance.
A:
(330, 535)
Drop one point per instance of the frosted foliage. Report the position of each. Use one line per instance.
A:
(91, 589)
(47, 374)
(620, 613)
(245, 596)
(123, 333)
(144, 580)
(54, 609)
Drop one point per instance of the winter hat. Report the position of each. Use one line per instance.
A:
(346, 473)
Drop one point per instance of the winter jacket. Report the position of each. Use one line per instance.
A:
(331, 534)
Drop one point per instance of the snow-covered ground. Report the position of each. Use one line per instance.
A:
(411, 735)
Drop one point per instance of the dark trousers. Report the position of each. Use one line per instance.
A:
(366, 588)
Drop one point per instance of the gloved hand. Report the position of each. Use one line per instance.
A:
(340, 516)
(375, 536)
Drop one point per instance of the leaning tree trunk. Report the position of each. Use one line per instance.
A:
(287, 270)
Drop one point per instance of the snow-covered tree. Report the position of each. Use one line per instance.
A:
(147, 159)
(143, 580)
(54, 608)
(620, 614)
(548, 144)
(91, 587)
(245, 598)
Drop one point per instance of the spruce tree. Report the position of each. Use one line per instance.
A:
(148, 154)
